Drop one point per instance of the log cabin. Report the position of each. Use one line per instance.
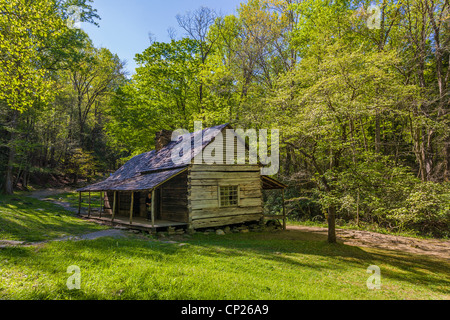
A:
(192, 195)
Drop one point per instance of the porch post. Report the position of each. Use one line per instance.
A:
(131, 207)
(79, 203)
(153, 208)
(114, 206)
(101, 204)
(284, 212)
(89, 210)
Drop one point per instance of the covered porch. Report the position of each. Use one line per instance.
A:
(138, 223)
(272, 184)
(124, 203)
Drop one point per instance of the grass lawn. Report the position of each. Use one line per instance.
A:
(27, 219)
(287, 265)
(73, 197)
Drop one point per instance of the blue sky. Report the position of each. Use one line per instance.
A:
(125, 24)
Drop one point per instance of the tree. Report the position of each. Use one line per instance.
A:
(94, 78)
(197, 26)
(23, 79)
(163, 94)
(339, 85)
(35, 43)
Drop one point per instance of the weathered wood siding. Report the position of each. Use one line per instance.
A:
(174, 199)
(232, 149)
(203, 198)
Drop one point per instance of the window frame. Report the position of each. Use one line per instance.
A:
(219, 195)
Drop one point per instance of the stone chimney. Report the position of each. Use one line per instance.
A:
(163, 138)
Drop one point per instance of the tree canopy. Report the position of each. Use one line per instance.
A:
(358, 89)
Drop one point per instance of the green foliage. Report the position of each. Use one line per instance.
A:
(22, 78)
(361, 110)
(426, 209)
(80, 164)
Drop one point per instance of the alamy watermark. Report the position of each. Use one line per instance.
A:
(372, 16)
(374, 19)
(74, 17)
(74, 281)
(256, 151)
(374, 281)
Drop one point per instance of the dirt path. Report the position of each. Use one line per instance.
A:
(113, 233)
(41, 194)
(359, 238)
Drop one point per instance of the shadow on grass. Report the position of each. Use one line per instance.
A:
(252, 252)
(30, 220)
(288, 246)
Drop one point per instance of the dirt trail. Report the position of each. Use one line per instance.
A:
(430, 247)
(42, 194)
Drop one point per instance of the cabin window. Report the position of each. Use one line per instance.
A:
(229, 196)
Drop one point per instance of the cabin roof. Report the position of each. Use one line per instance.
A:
(269, 183)
(141, 182)
(137, 173)
(149, 170)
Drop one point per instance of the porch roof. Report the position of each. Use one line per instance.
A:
(141, 182)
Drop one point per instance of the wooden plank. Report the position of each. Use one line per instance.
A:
(214, 203)
(213, 188)
(89, 208)
(131, 208)
(175, 195)
(114, 206)
(223, 212)
(224, 175)
(118, 200)
(215, 182)
(273, 216)
(101, 204)
(223, 221)
(253, 193)
(249, 202)
(211, 192)
(160, 201)
(226, 168)
(153, 208)
(206, 195)
(180, 217)
(175, 201)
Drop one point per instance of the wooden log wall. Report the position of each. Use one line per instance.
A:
(203, 197)
(124, 202)
(174, 199)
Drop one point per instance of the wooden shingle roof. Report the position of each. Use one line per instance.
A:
(150, 169)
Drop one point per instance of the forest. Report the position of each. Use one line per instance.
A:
(358, 89)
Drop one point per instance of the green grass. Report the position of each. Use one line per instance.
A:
(26, 219)
(72, 198)
(287, 265)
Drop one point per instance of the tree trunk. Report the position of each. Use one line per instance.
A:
(447, 160)
(377, 133)
(8, 186)
(332, 224)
